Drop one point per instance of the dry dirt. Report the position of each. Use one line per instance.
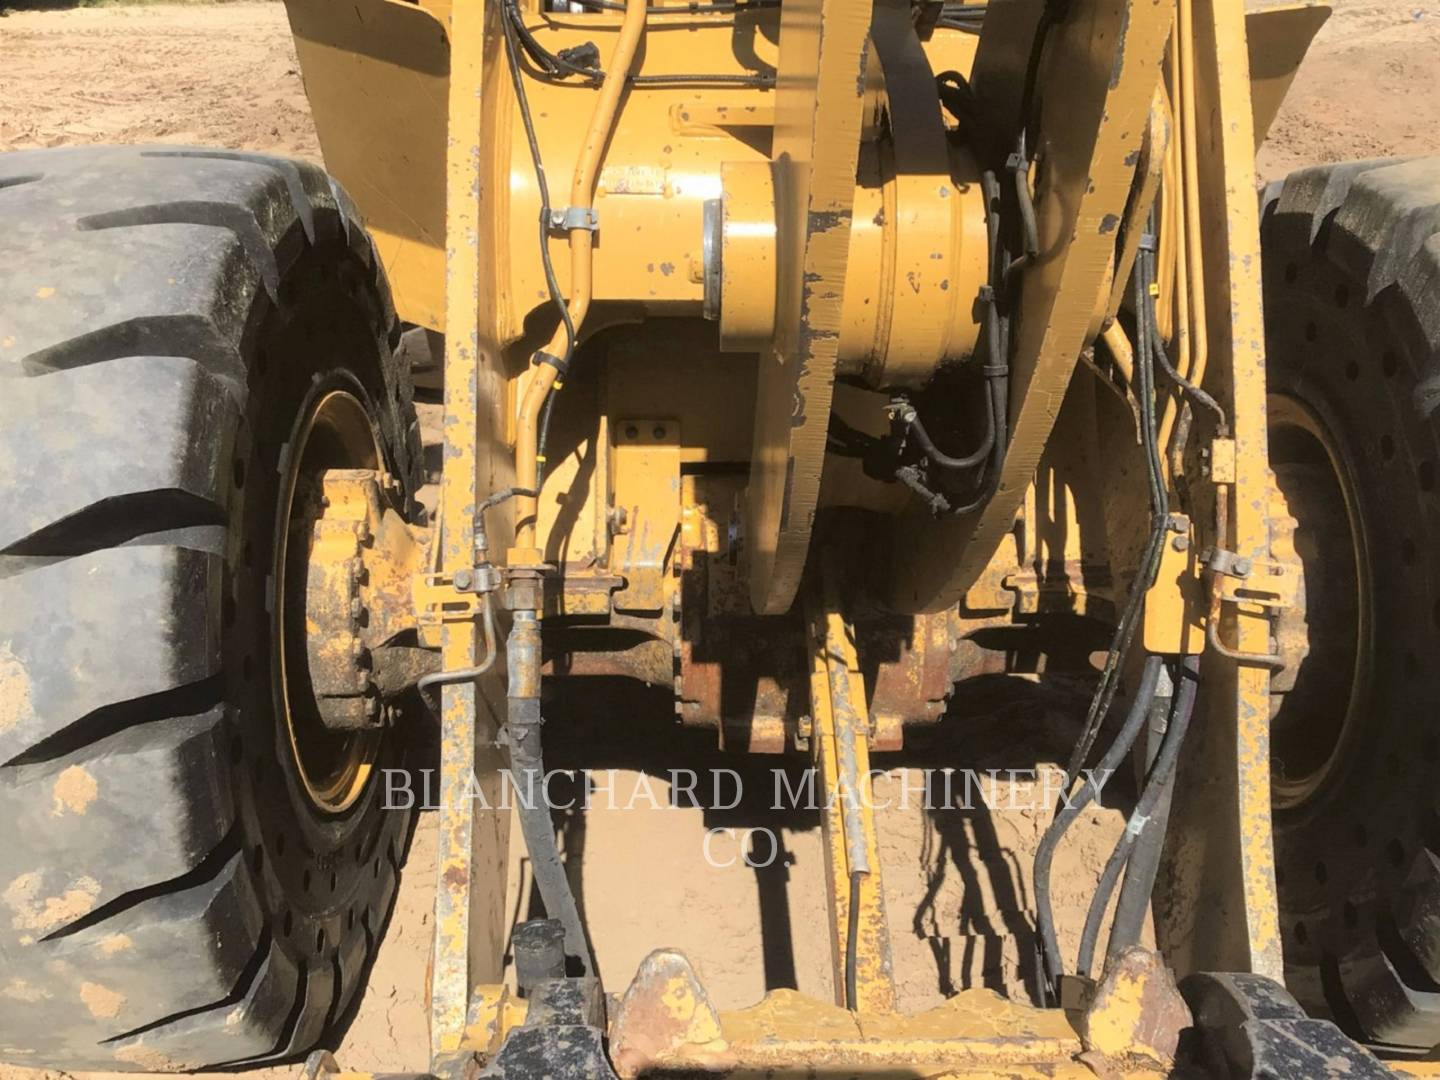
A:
(957, 882)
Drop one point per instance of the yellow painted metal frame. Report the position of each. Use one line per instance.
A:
(1110, 52)
(473, 844)
(1218, 909)
(818, 113)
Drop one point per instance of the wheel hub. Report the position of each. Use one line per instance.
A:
(1315, 698)
(344, 564)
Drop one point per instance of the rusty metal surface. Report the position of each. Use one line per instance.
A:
(664, 1013)
(1135, 1015)
(359, 598)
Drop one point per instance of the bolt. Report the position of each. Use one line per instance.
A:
(659, 431)
(357, 648)
(464, 579)
(357, 570)
(1180, 543)
(1242, 567)
(356, 607)
(631, 431)
(805, 726)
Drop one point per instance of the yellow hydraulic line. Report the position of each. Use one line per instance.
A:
(582, 197)
(1118, 343)
(1165, 256)
(1193, 252)
(1184, 225)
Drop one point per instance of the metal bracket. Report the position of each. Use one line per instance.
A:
(442, 598)
(573, 217)
(1258, 583)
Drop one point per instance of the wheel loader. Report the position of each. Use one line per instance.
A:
(811, 361)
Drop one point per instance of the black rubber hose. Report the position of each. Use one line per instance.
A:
(1160, 510)
(1070, 810)
(1144, 864)
(1199, 396)
(937, 456)
(1157, 782)
(852, 948)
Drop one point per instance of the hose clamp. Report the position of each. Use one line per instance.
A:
(569, 218)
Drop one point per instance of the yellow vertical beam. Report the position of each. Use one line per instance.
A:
(820, 92)
(840, 728)
(470, 887)
(1218, 910)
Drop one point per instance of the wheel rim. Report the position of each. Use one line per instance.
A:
(333, 432)
(1314, 725)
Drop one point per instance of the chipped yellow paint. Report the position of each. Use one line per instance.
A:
(45, 292)
(22, 897)
(15, 691)
(116, 943)
(682, 1004)
(75, 789)
(819, 111)
(101, 1000)
(20, 990)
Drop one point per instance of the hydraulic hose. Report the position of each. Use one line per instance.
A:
(1070, 810)
(582, 199)
(1144, 864)
(527, 768)
(1157, 783)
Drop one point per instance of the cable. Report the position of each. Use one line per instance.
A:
(998, 296)
(851, 948)
(1051, 963)
(1157, 782)
(1200, 397)
(541, 185)
(554, 67)
(911, 419)
(552, 284)
(1144, 861)
(1105, 690)
(1160, 512)
(997, 373)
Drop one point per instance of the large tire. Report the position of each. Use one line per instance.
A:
(169, 898)
(1352, 311)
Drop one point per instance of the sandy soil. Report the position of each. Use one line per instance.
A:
(957, 882)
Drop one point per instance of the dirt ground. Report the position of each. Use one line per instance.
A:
(957, 882)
